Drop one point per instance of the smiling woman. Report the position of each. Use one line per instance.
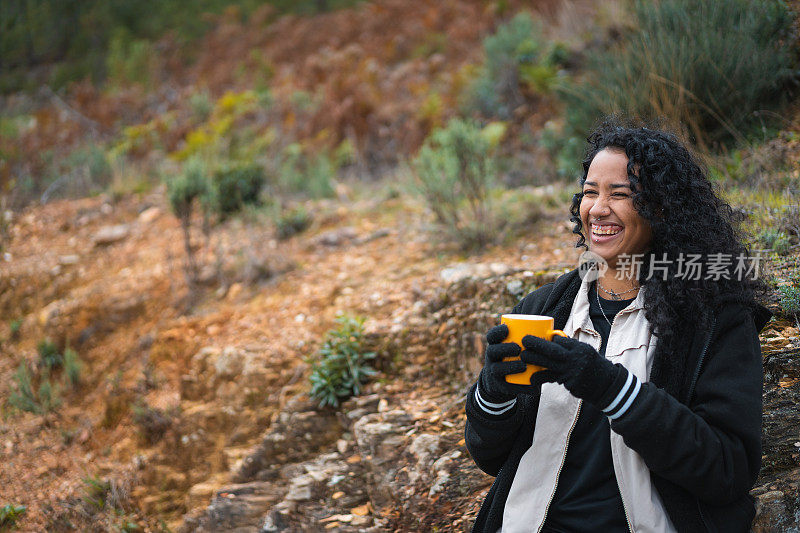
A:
(647, 415)
(615, 226)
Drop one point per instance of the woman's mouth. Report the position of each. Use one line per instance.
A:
(605, 232)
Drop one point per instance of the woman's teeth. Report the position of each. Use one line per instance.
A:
(605, 230)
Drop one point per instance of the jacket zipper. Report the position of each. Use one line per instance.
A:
(689, 397)
(624, 507)
(560, 467)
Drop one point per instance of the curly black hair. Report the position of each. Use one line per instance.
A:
(672, 192)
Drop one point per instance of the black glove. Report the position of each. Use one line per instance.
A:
(576, 365)
(492, 384)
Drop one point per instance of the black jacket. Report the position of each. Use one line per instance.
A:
(696, 423)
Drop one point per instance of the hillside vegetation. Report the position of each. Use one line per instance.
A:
(249, 250)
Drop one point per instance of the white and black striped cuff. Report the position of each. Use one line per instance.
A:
(491, 407)
(625, 398)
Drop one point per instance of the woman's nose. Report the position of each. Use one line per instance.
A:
(599, 208)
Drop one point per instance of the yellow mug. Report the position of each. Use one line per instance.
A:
(518, 327)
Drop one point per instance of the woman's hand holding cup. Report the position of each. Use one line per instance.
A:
(492, 381)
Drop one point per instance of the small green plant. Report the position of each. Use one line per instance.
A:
(201, 105)
(184, 191)
(72, 367)
(10, 514)
(292, 221)
(776, 240)
(517, 59)
(96, 492)
(192, 184)
(15, 326)
(341, 367)
(237, 185)
(49, 357)
(130, 60)
(307, 174)
(455, 173)
(790, 296)
(42, 401)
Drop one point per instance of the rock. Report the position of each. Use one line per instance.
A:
(297, 432)
(424, 448)
(515, 287)
(229, 363)
(464, 271)
(110, 234)
(274, 522)
(380, 437)
(149, 215)
(442, 469)
(200, 494)
(377, 234)
(235, 506)
(337, 237)
(778, 503)
(68, 259)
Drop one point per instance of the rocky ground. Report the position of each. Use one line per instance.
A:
(200, 420)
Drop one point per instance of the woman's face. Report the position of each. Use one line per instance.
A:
(611, 224)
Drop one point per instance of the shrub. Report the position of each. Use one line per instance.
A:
(10, 514)
(776, 240)
(237, 185)
(516, 59)
(292, 221)
(201, 105)
(454, 174)
(341, 366)
(307, 174)
(96, 491)
(790, 296)
(15, 326)
(185, 188)
(153, 423)
(48, 355)
(72, 367)
(711, 66)
(44, 400)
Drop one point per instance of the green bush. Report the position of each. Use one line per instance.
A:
(10, 514)
(130, 61)
(306, 174)
(192, 184)
(455, 172)
(15, 326)
(49, 357)
(46, 399)
(237, 185)
(292, 221)
(341, 367)
(790, 296)
(72, 367)
(516, 58)
(96, 492)
(712, 66)
(776, 240)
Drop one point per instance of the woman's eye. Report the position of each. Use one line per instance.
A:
(620, 195)
(589, 192)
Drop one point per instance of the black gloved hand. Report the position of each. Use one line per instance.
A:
(576, 365)
(492, 384)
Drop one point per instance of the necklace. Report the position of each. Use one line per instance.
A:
(615, 295)
(601, 305)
